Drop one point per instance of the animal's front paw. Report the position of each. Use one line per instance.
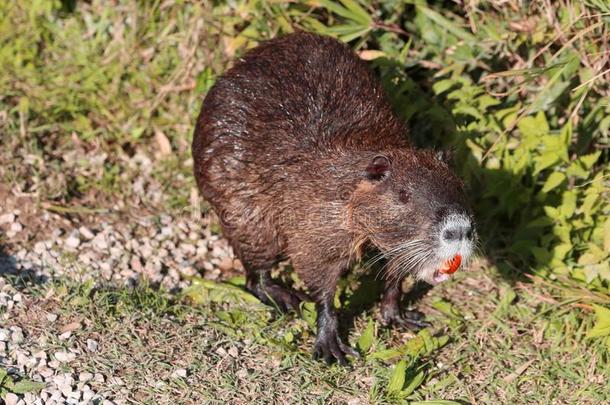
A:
(330, 347)
(412, 320)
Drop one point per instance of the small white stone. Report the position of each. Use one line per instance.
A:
(66, 391)
(167, 231)
(16, 227)
(11, 399)
(64, 357)
(99, 242)
(39, 248)
(87, 394)
(179, 373)
(72, 241)
(23, 359)
(29, 398)
(84, 377)
(65, 336)
(86, 232)
(136, 264)
(56, 396)
(4, 335)
(40, 355)
(115, 381)
(92, 345)
(233, 352)
(7, 218)
(17, 336)
(53, 364)
(45, 372)
(51, 317)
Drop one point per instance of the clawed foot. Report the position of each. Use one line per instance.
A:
(330, 347)
(274, 295)
(412, 320)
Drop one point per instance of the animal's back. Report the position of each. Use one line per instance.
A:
(289, 100)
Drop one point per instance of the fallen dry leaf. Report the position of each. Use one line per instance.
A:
(518, 371)
(165, 147)
(72, 326)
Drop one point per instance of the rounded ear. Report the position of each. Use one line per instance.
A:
(378, 168)
(444, 156)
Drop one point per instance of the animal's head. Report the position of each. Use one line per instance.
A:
(412, 207)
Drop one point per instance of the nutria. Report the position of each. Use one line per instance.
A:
(299, 153)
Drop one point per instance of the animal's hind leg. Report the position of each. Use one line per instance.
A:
(268, 291)
(258, 254)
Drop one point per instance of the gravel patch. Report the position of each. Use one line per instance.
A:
(117, 248)
(165, 250)
(22, 358)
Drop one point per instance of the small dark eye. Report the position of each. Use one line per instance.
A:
(404, 195)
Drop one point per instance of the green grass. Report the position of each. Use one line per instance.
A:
(522, 95)
(489, 344)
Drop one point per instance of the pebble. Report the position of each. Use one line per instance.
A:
(233, 352)
(181, 372)
(225, 264)
(7, 218)
(45, 372)
(115, 381)
(87, 395)
(40, 355)
(86, 232)
(65, 335)
(4, 335)
(92, 345)
(99, 242)
(11, 399)
(84, 377)
(64, 357)
(72, 241)
(17, 335)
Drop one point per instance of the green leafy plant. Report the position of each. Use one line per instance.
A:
(602, 324)
(9, 385)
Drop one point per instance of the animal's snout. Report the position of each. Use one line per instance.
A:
(457, 228)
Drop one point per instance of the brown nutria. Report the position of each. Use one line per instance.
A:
(301, 156)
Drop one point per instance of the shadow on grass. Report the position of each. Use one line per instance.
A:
(19, 277)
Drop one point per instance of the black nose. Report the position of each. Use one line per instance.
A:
(453, 232)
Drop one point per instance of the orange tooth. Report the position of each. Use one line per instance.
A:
(452, 265)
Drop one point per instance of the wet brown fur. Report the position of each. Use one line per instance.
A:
(281, 151)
